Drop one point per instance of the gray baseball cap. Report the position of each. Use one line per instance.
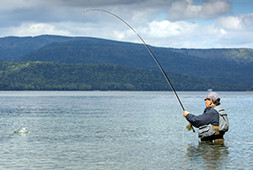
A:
(213, 96)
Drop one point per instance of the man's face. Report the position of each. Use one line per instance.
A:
(209, 102)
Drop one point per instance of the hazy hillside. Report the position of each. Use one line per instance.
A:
(12, 48)
(238, 56)
(218, 66)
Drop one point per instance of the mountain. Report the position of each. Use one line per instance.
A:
(219, 66)
(12, 48)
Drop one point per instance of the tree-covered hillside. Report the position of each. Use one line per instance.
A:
(234, 55)
(55, 76)
(229, 68)
(196, 63)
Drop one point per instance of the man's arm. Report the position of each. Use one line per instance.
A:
(206, 118)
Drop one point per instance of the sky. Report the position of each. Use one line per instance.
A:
(161, 23)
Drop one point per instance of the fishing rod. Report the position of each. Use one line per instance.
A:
(149, 50)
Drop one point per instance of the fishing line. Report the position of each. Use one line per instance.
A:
(149, 50)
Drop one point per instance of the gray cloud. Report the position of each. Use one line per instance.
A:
(140, 11)
(187, 9)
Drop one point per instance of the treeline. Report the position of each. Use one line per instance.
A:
(56, 76)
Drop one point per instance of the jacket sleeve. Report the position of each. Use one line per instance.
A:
(210, 116)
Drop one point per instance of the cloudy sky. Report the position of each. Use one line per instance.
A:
(164, 23)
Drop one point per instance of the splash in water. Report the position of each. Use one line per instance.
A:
(22, 130)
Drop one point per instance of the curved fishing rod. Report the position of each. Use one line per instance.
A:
(150, 52)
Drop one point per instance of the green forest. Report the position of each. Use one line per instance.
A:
(56, 76)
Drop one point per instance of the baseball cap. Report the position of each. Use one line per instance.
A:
(213, 96)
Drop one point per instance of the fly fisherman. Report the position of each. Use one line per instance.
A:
(213, 123)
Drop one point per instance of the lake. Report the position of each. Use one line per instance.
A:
(119, 130)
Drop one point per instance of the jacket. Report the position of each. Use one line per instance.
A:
(210, 116)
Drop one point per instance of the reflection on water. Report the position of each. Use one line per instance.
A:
(207, 155)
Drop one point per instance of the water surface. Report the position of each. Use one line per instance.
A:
(119, 130)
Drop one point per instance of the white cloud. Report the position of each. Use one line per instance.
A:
(170, 29)
(178, 34)
(34, 29)
(227, 32)
(236, 24)
(230, 23)
(238, 31)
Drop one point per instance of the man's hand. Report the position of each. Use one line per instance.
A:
(185, 113)
(189, 127)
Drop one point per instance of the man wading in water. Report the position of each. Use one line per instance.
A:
(213, 123)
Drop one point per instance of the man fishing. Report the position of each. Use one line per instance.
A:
(213, 123)
(210, 118)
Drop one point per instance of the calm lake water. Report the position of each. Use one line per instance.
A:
(119, 130)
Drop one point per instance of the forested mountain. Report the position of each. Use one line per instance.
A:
(12, 48)
(56, 76)
(221, 67)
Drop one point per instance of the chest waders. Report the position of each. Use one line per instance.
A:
(215, 133)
